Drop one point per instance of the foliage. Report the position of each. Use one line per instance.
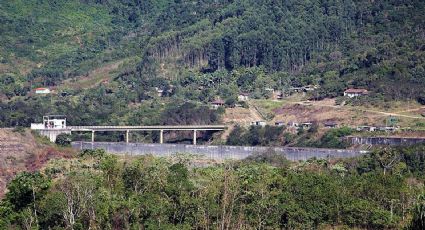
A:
(263, 191)
(256, 135)
(24, 193)
(418, 220)
(333, 138)
(63, 139)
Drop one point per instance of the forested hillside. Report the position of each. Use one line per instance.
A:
(198, 50)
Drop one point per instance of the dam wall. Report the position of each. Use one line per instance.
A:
(221, 152)
(385, 140)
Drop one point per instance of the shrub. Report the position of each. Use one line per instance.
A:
(19, 129)
(63, 139)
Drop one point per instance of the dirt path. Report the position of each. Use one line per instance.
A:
(94, 77)
(227, 132)
(255, 114)
(411, 110)
(308, 103)
(395, 114)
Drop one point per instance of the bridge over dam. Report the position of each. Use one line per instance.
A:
(52, 133)
(218, 152)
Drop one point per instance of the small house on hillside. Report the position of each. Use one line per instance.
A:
(163, 92)
(310, 87)
(330, 124)
(388, 128)
(217, 103)
(259, 123)
(306, 125)
(293, 124)
(366, 128)
(243, 97)
(279, 123)
(42, 91)
(159, 92)
(277, 95)
(355, 92)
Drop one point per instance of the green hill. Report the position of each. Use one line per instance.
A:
(204, 49)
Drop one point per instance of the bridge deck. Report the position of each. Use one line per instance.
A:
(148, 128)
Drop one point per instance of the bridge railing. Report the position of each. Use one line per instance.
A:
(165, 127)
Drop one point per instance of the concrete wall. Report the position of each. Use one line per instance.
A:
(52, 134)
(216, 152)
(385, 140)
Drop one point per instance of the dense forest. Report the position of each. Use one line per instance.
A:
(200, 50)
(383, 190)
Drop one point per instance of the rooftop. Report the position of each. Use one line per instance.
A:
(351, 90)
(218, 102)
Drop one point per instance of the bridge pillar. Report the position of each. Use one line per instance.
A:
(127, 136)
(92, 136)
(194, 137)
(161, 136)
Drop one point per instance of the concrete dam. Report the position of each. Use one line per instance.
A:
(219, 152)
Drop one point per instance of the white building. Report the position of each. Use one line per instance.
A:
(243, 97)
(279, 123)
(259, 123)
(293, 124)
(42, 91)
(51, 122)
(217, 103)
(355, 92)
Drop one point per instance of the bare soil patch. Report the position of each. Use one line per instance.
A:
(21, 152)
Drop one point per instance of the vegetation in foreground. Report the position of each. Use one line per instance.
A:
(101, 191)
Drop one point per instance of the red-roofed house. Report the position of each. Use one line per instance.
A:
(42, 90)
(355, 92)
(217, 103)
(243, 97)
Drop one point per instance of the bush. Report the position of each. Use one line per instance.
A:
(418, 220)
(96, 153)
(243, 104)
(270, 157)
(19, 129)
(230, 102)
(63, 139)
(333, 138)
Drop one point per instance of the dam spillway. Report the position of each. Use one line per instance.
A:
(217, 152)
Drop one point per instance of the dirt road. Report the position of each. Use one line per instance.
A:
(309, 103)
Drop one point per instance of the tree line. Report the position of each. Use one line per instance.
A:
(101, 191)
